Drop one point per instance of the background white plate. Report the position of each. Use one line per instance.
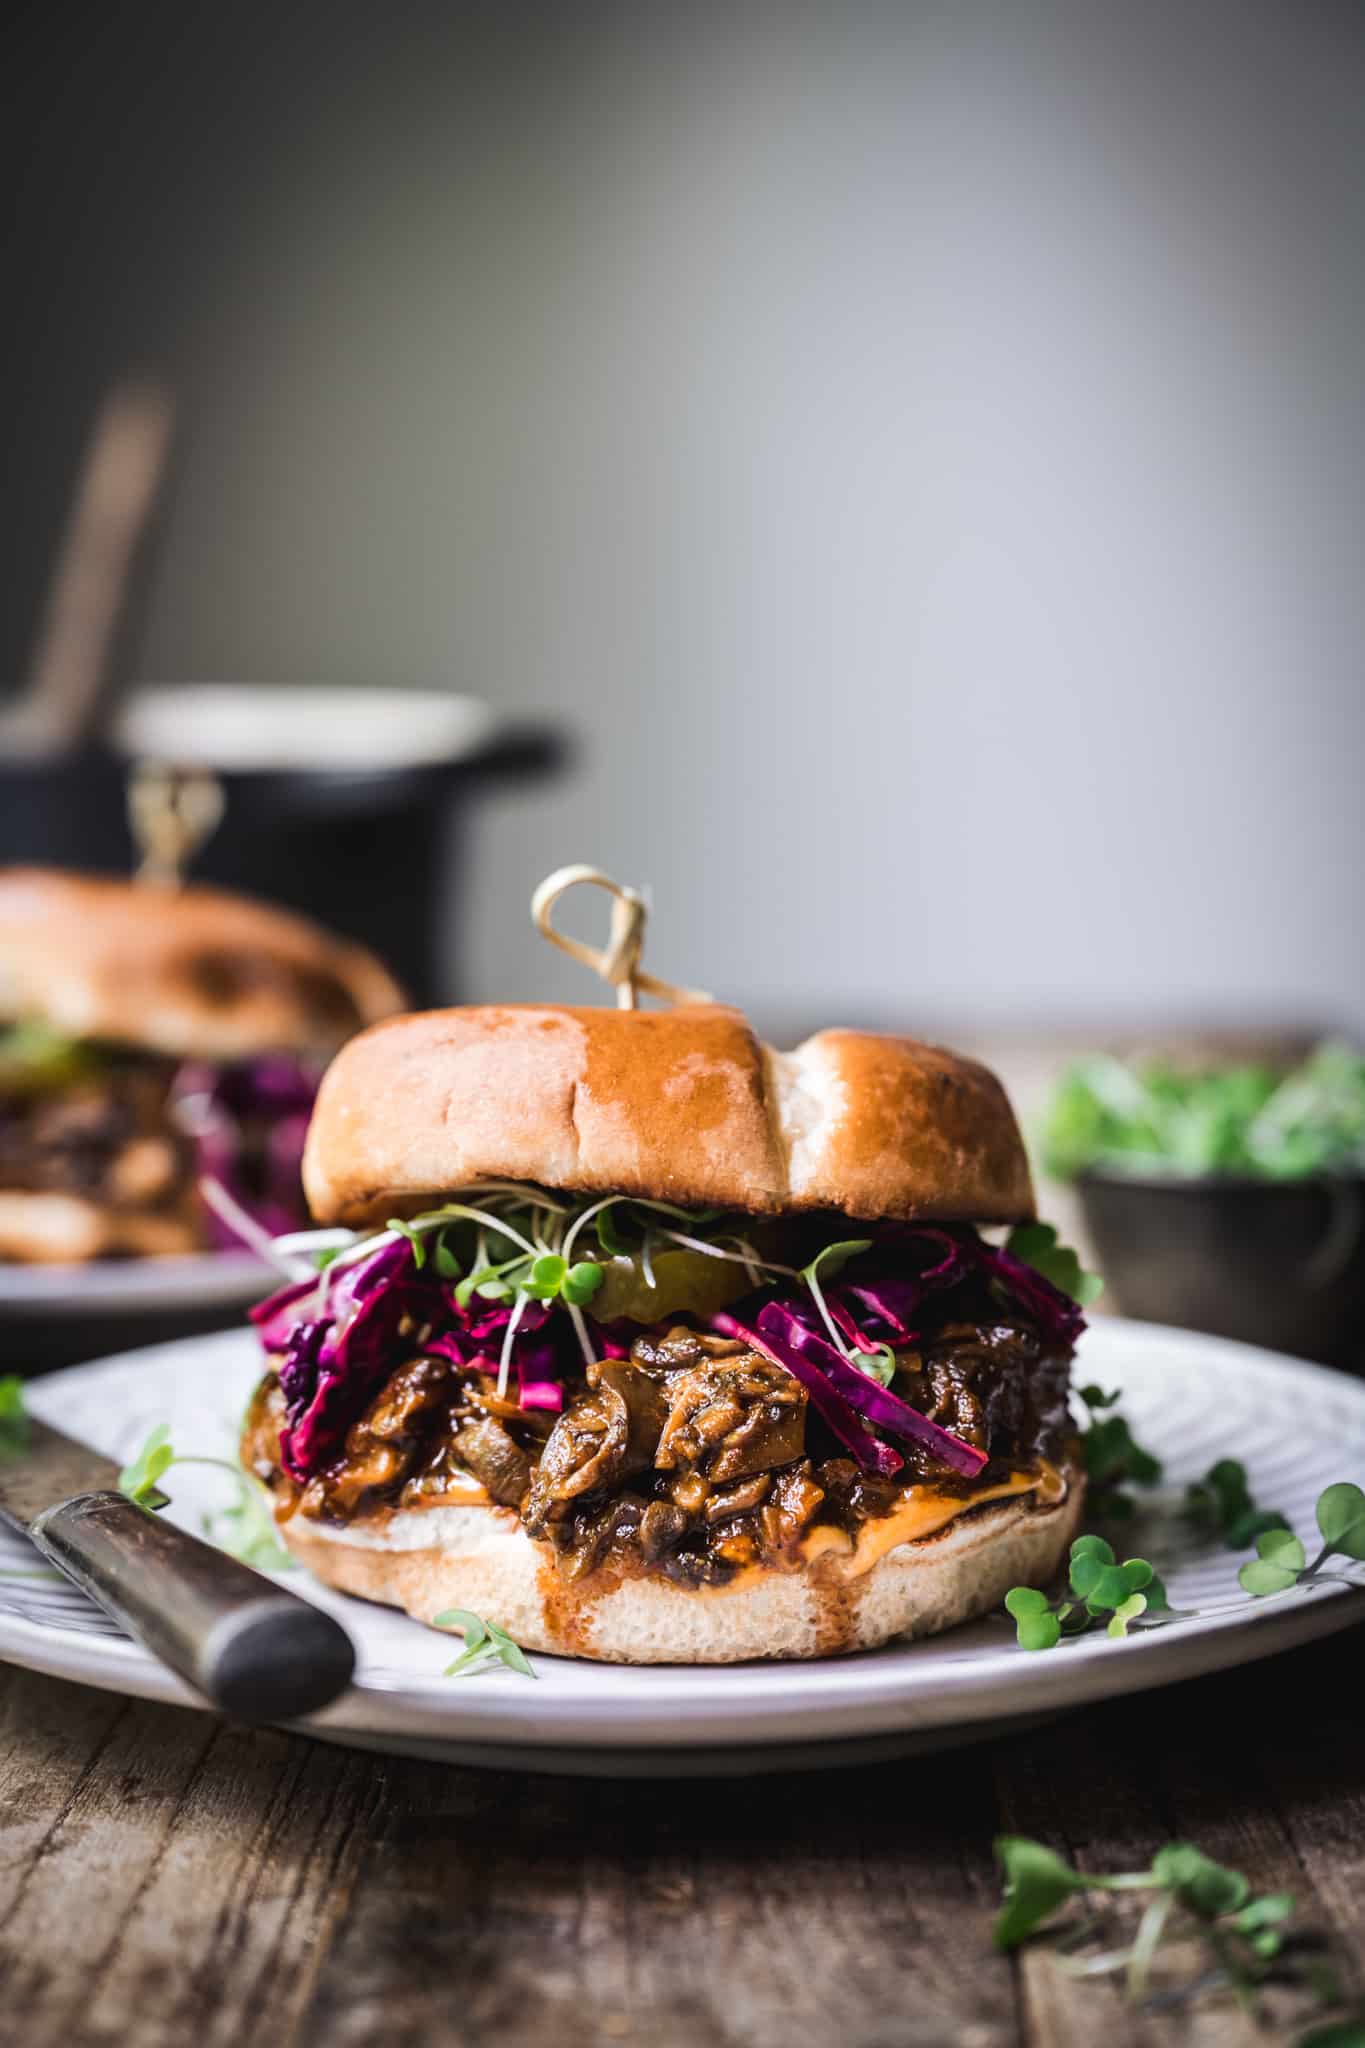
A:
(1296, 1427)
(198, 1280)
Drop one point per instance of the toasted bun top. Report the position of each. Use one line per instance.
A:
(190, 972)
(683, 1105)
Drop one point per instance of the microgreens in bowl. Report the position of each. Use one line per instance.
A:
(1157, 1118)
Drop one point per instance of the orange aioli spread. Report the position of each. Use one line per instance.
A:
(924, 1513)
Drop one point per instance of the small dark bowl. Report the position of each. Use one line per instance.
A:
(1279, 1263)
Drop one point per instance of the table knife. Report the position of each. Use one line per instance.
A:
(258, 1652)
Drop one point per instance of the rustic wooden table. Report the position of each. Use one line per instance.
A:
(167, 1878)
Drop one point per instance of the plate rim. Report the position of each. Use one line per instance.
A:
(866, 1693)
(137, 1286)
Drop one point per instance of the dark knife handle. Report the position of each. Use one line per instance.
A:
(257, 1651)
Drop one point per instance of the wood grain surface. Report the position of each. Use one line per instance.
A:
(168, 1878)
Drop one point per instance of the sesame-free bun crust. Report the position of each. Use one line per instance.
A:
(430, 1559)
(188, 972)
(683, 1105)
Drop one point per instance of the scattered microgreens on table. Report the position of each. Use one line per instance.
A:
(485, 1644)
(1247, 1938)
(245, 1530)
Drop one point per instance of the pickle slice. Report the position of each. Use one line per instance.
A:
(684, 1281)
(35, 1060)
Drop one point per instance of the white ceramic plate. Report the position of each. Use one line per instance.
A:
(1296, 1428)
(112, 1287)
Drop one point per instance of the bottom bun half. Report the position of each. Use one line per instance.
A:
(480, 1558)
(56, 1229)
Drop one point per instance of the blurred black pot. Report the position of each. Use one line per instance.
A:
(370, 848)
(1279, 1263)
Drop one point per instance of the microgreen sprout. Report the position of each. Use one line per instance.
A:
(1246, 1937)
(1101, 1592)
(1281, 1560)
(245, 1530)
(1114, 1458)
(13, 1416)
(139, 1477)
(485, 1644)
(414, 1238)
(509, 1338)
(552, 1278)
(444, 1261)
(526, 1242)
(1128, 1594)
(581, 1282)
(1037, 1245)
(832, 1261)
(1221, 1502)
(879, 1363)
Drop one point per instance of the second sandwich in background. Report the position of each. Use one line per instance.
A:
(149, 1036)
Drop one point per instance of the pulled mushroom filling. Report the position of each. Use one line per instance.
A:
(693, 1454)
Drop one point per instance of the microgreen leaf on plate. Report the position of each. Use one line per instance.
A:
(485, 1644)
(245, 1530)
(139, 1477)
(1221, 1501)
(1114, 1459)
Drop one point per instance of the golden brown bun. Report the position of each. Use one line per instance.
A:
(51, 1229)
(190, 972)
(480, 1558)
(683, 1105)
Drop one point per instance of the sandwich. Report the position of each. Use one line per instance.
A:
(648, 1343)
(151, 1039)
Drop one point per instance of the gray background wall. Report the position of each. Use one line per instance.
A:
(920, 448)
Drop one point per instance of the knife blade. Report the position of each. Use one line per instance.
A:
(253, 1648)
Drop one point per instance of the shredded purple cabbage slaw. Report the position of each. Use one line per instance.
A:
(336, 1341)
(269, 1099)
